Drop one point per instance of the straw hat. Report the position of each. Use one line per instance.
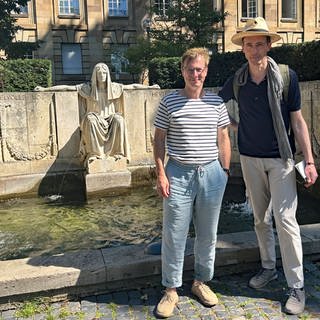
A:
(254, 27)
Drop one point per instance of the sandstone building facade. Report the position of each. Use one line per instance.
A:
(76, 34)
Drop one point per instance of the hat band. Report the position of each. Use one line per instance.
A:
(257, 30)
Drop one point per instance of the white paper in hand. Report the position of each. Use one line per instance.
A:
(300, 168)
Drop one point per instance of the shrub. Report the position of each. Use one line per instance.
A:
(303, 58)
(25, 74)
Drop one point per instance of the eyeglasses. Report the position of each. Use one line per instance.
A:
(197, 70)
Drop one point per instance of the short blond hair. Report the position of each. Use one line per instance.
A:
(193, 53)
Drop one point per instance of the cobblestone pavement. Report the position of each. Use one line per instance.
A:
(237, 301)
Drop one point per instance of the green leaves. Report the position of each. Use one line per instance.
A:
(7, 20)
(25, 74)
(186, 24)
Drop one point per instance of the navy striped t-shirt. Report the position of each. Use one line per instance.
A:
(191, 126)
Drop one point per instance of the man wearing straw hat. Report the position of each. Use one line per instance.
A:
(266, 155)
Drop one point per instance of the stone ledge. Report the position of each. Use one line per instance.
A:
(93, 270)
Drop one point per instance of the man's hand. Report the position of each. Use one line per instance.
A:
(163, 186)
(311, 174)
(38, 88)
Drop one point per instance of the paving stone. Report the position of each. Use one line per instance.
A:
(120, 298)
(104, 311)
(8, 315)
(237, 302)
(208, 317)
(133, 294)
(104, 298)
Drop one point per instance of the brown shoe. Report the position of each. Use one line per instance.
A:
(166, 305)
(204, 293)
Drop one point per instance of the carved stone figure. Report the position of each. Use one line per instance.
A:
(103, 129)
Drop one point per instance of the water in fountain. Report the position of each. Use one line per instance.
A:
(30, 227)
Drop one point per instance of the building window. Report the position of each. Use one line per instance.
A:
(24, 10)
(161, 7)
(289, 9)
(119, 64)
(118, 8)
(249, 8)
(69, 7)
(217, 5)
(71, 58)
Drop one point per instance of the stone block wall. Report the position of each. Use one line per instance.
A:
(38, 129)
(40, 136)
(140, 107)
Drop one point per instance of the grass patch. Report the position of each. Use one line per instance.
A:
(30, 308)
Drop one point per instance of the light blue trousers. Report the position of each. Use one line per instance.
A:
(196, 192)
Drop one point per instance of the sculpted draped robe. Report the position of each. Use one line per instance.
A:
(103, 129)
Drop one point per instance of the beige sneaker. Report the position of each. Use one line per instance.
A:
(166, 305)
(204, 293)
(262, 278)
(296, 302)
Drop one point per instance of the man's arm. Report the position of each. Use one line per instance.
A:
(140, 86)
(233, 123)
(61, 87)
(301, 134)
(224, 146)
(163, 187)
(227, 94)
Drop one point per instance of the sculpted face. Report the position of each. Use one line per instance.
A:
(102, 73)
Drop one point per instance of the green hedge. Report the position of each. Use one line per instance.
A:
(303, 58)
(166, 72)
(25, 74)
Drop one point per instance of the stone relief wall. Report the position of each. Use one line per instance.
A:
(36, 131)
(26, 137)
(310, 95)
(139, 111)
(40, 134)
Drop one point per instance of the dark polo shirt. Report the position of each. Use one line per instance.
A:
(256, 135)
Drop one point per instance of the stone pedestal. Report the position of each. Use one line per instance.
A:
(106, 183)
(105, 176)
(107, 165)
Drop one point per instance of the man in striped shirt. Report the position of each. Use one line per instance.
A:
(191, 129)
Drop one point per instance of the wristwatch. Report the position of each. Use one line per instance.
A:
(227, 171)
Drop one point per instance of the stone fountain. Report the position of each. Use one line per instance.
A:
(40, 138)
